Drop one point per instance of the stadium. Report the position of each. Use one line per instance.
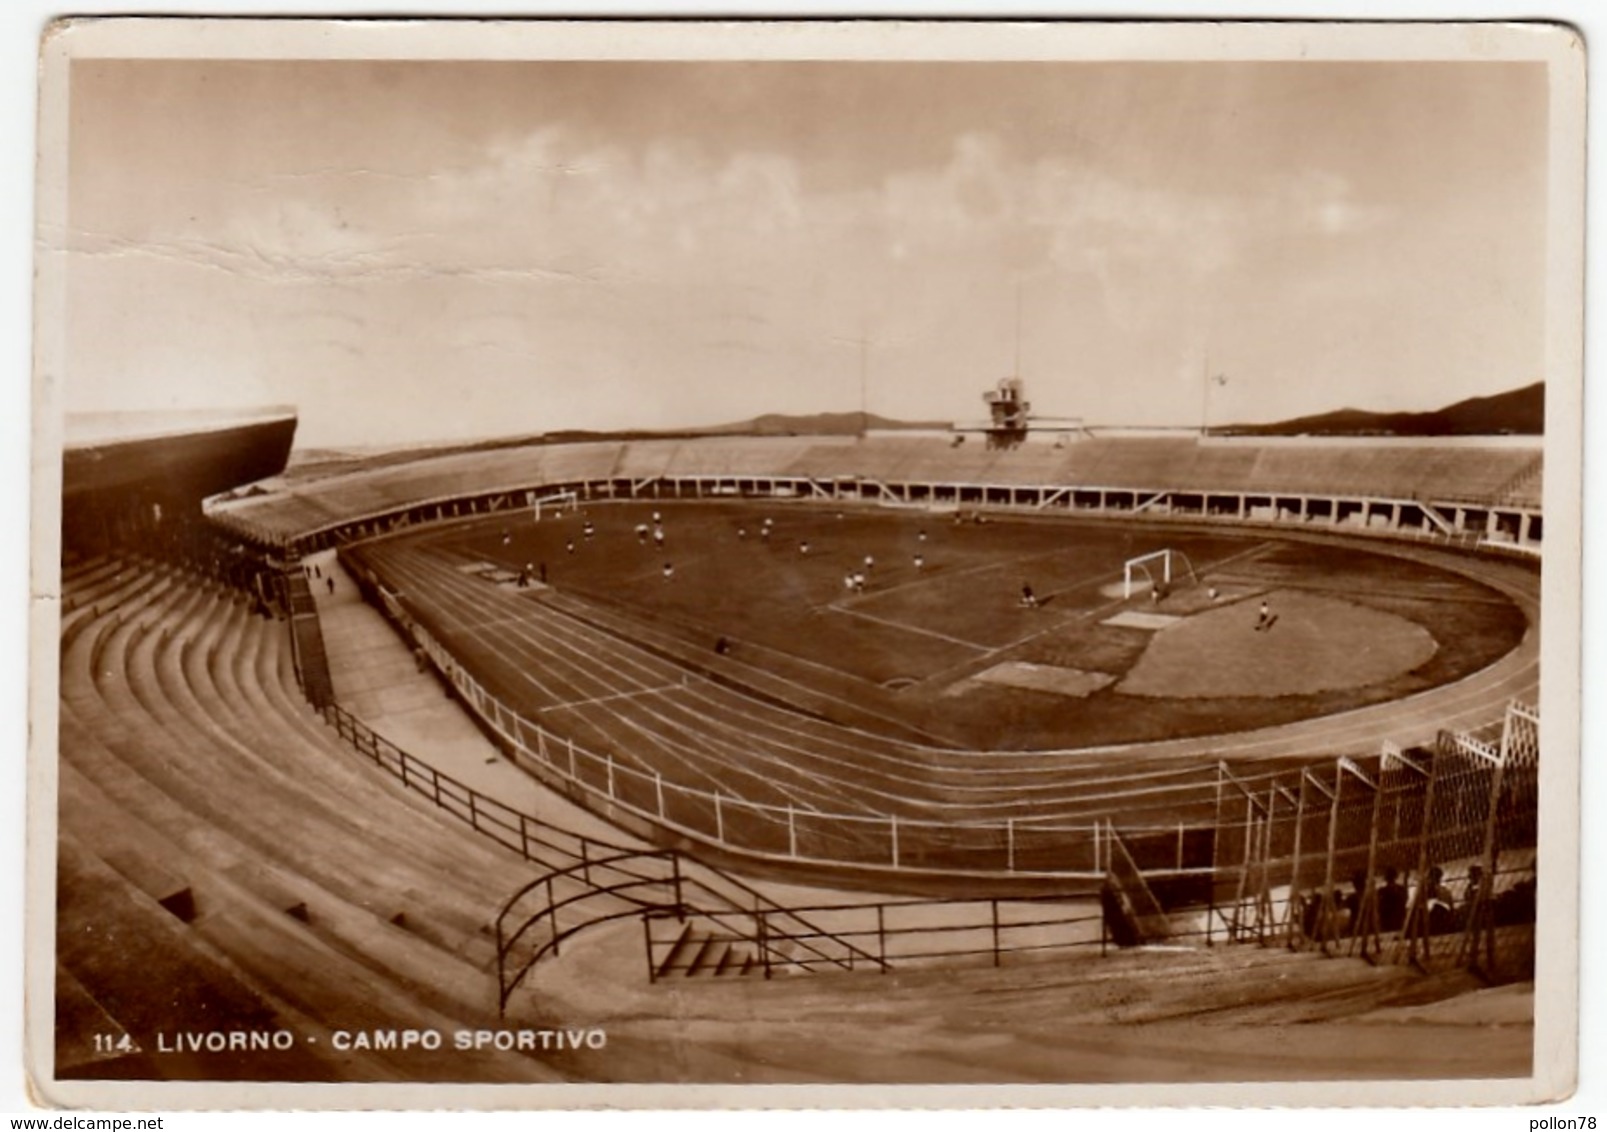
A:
(554, 592)
(694, 747)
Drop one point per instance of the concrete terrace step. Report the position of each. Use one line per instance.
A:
(202, 786)
(322, 756)
(248, 744)
(226, 874)
(117, 946)
(81, 636)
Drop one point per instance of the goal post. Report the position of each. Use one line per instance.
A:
(1141, 564)
(559, 501)
(1171, 564)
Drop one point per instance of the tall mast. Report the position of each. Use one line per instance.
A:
(1018, 329)
(864, 369)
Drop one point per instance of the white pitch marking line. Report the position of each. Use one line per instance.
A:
(907, 628)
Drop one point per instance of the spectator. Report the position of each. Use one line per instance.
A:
(1310, 914)
(1439, 902)
(1391, 902)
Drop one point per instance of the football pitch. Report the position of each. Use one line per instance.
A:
(937, 636)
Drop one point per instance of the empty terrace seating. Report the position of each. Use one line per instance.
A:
(190, 765)
(922, 459)
(378, 490)
(1029, 464)
(645, 459)
(1479, 474)
(575, 463)
(1398, 471)
(877, 457)
(736, 455)
(1137, 463)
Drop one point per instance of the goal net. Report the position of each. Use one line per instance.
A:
(556, 503)
(1157, 568)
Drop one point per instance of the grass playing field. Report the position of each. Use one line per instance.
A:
(946, 646)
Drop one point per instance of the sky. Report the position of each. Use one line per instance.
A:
(441, 250)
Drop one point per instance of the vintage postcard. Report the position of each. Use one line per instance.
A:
(862, 564)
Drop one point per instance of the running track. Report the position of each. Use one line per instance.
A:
(612, 695)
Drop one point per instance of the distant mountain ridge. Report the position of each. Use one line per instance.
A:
(1518, 412)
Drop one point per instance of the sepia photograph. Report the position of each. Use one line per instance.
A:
(894, 562)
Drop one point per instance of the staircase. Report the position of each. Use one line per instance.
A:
(307, 637)
(1132, 913)
(1523, 485)
(690, 949)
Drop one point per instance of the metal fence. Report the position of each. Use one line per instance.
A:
(1064, 851)
(589, 882)
(1437, 849)
(1463, 813)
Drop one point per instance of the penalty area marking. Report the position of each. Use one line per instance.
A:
(1058, 680)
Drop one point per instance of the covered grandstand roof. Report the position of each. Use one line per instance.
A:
(175, 454)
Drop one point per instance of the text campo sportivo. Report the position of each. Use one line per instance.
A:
(247, 1041)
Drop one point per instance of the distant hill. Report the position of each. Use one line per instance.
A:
(1520, 412)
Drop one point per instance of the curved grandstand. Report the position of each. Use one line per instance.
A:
(995, 769)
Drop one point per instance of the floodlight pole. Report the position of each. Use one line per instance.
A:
(864, 384)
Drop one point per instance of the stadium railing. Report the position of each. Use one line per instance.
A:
(1469, 803)
(663, 880)
(781, 833)
(1464, 813)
